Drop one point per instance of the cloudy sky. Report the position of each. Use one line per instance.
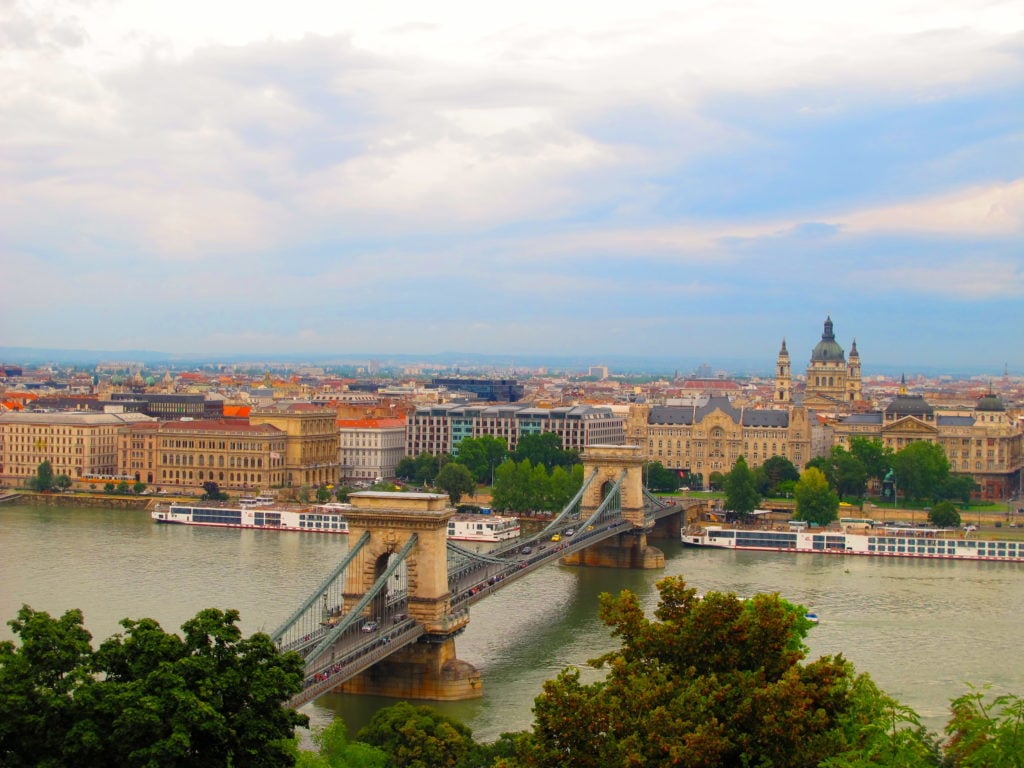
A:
(698, 179)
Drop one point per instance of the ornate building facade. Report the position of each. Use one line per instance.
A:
(832, 381)
(182, 455)
(983, 443)
(707, 438)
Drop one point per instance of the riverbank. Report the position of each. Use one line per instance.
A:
(92, 500)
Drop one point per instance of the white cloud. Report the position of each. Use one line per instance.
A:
(994, 210)
(964, 279)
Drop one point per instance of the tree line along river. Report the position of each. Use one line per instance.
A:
(923, 629)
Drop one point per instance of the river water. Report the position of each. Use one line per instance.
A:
(924, 630)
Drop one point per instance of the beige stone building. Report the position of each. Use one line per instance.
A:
(182, 455)
(706, 438)
(82, 446)
(370, 448)
(984, 443)
(312, 445)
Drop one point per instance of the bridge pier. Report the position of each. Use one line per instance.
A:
(423, 670)
(627, 550)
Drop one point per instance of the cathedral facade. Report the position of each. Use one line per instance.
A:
(832, 382)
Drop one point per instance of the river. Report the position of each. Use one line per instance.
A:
(924, 630)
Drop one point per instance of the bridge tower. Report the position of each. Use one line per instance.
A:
(628, 549)
(429, 668)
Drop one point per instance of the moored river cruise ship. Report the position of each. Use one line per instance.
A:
(326, 518)
(477, 527)
(886, 542)
(321, 518)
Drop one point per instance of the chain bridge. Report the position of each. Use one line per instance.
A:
(384, 621)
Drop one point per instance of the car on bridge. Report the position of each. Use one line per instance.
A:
(371, 626)
(570, 531)
(557, 537)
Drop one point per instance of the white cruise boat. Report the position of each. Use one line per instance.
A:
(326, 518)
(319, 518)
(893, 541)
(474, 527)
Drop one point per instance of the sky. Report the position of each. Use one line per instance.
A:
(671, 179)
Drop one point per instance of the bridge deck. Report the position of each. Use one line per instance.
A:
(354, 654)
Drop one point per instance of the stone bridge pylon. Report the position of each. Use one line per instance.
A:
(624, 465)
(424, 670)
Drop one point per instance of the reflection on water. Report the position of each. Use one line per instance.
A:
(923, 629)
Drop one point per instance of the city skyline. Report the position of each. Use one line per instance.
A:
(586, 181)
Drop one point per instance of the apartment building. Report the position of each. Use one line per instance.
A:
(440, 428)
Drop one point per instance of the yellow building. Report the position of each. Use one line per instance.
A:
(707, 438)
(182, 455)
(313, 445)
(984, 443)
(82, 446)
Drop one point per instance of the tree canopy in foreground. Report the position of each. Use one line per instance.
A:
(712, 681)
(145, 698)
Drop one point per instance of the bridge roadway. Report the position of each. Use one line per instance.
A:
(357, 651)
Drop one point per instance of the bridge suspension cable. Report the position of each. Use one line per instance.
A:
(321, 590)
(354, 614)
(572, 507)
(613, 500)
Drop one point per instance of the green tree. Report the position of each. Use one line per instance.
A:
(944, 515)
(777, 470)
(710, 682)
(336, 750)
(323, 494)
(921, 468)
(427, 467)
(212, 492)
(209, 698)
(741, 494)
(986, 732)
(513, 488)
(138, 487)
(406, 469)
(959, 487)
(417, 736)
(123, 487)
(482, 455)
(816, 502)
(341, 493)
(43, 479)
(562, 486)
(109, 487)
(544, 448)
(456, 480)
(661, 479)
(850, 473)
(873, 454)
(62, 482)
(715, 481)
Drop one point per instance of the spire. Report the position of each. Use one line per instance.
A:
(903, 384)
(853, 349)
(783, 351)
(828, 334)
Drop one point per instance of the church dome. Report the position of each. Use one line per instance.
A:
(827, 350)
(990, 402)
